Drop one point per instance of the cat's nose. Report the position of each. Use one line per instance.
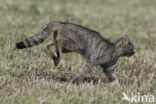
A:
(130, 53)
(133, 52)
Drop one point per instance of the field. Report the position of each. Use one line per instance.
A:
(29, 76)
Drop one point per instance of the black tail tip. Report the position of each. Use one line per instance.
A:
(20, 45)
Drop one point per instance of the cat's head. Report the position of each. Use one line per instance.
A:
(124, 46)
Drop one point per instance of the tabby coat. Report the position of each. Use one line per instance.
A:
(95, 49)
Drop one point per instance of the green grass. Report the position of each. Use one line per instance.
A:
(29, 77)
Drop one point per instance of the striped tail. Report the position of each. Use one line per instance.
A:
(36, 39)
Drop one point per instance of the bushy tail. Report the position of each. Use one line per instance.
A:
(36, 39)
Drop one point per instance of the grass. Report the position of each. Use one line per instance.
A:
(29, 76)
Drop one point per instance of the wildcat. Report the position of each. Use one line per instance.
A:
(95, 49)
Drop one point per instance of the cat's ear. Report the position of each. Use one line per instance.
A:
(125, 40)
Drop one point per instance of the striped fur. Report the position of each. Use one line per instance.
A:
(90, 44)
(36, 39)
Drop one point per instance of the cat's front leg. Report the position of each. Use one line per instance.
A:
(109, 72)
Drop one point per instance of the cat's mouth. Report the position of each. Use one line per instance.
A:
(130, 53)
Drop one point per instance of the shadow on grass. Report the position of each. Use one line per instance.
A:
(84, 80)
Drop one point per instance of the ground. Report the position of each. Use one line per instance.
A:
(29, 76)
